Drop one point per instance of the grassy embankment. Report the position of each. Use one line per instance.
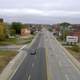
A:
(75, 51)
(5, 57)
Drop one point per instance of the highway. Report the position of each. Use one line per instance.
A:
(50, 63)
(34, 66)
(60, 66)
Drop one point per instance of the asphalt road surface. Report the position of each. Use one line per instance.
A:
(60, 66)
(34, 66)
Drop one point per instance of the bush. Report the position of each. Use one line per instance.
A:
(75, 48)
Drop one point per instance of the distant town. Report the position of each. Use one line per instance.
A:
(18, 40)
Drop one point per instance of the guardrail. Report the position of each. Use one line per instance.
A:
(13, 65)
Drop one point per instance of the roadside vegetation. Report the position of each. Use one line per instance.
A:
(75, 51)
(16, 41)
(5, 57)
(75, 48)
(10, 34)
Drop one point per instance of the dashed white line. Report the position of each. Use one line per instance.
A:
(56, 55)
(60, 64)
(32, 64)
(29, 77)
(67, 78)
(74, 65)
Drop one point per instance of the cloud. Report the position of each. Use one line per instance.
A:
(35, 12)
(40, 9)
(21, 11)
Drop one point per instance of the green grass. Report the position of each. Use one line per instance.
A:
(16, 41)
(7, 53)
(25, 40)
(75, 54)
(75, 48)
(8, 41)
(5, 57)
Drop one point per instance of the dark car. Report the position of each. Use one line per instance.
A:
(33, 51)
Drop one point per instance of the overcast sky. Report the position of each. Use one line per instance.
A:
(40, 11)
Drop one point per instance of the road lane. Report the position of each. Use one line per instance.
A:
(61, 67)
(39, 71)
(34, 66)
(25, 68)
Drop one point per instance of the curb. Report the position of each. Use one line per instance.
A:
(14, 64)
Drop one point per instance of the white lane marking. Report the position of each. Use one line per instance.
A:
(29, 77)
(66, 56)
(56, 55)
(39, 45)
(32, 64)
(60, 64)
(67, 78)
(74, 66)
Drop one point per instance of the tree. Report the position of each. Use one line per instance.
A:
(16, 26)
(33, 29)
(65, 24)
(64, 29)
(2, 31)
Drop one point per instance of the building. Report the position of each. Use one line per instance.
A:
(25, 31)
(56, 29)
(75, 33)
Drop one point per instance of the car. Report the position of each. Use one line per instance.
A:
(33, 51)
